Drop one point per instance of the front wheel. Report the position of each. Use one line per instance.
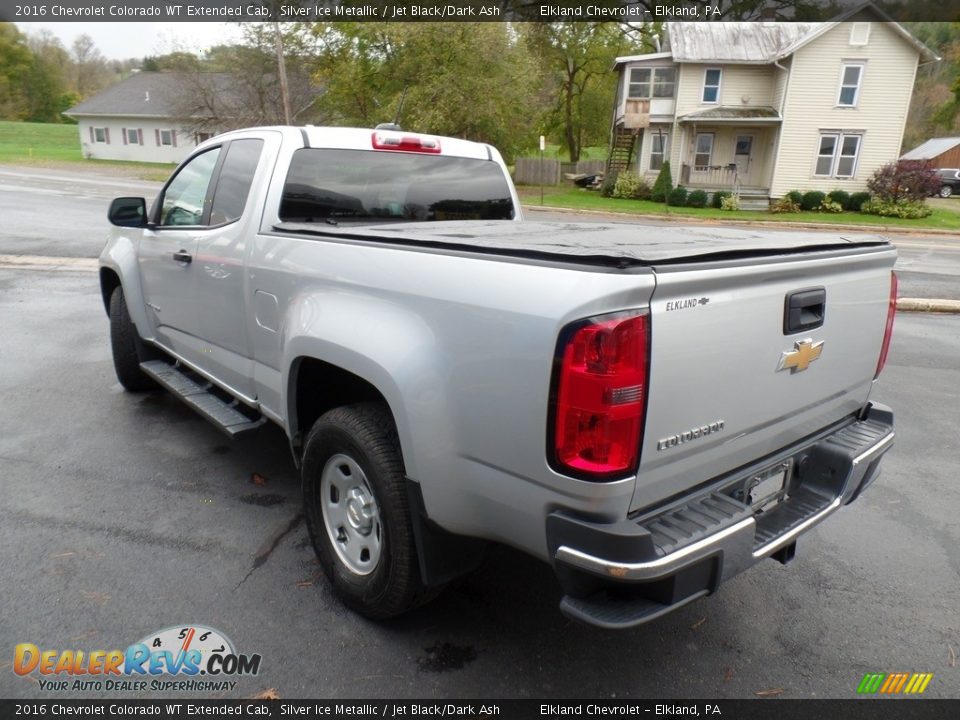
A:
(128, 349)
(946, 191)
(357, 511)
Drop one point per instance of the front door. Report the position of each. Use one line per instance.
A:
(167, 252)
(743, 156)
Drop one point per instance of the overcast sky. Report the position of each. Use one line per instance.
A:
(120, 40)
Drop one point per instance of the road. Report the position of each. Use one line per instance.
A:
(61, 213)
(123, 514)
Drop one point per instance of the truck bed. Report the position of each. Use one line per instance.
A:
(613, 244)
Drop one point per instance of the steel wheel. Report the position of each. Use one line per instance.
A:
(350, 514)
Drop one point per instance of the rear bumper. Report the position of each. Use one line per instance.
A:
(627, 573)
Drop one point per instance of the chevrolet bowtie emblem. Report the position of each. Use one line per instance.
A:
(799, 359)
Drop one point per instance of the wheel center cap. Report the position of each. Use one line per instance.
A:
(359, 512)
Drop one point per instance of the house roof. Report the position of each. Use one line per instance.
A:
(758, 42)
(148, 94)
(931, 148)
(733, 113)
(734, 42)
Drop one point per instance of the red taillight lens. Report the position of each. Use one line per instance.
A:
(888, 330)
(406, 143)
(600, 394)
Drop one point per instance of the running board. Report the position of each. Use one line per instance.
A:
(227, 414)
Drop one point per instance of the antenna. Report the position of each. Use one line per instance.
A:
(403, 96)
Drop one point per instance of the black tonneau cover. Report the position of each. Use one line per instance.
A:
(606, 244)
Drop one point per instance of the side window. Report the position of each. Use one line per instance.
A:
(236, 176)
(185, 197)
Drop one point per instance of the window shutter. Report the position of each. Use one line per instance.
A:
(106, 134)
(92, 139)
(140, 135)
(173, 136)
(157, 131)
(124, 131)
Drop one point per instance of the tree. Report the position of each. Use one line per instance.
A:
(90, 71)
(470, 80)
(579, 58)
(45, 90)
(15, 62)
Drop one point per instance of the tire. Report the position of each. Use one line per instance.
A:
(946, 191)
(357, 511)
(128, 349)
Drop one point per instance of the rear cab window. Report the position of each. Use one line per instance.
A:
(340, 185)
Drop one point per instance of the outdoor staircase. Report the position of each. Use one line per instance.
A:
(621, 150)
(754, 201)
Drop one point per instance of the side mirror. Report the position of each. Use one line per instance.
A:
(128, 212)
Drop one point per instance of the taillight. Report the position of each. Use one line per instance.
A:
(599, 396)
(888, 330)
(386, 140)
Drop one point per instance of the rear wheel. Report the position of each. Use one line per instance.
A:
(128, 349)
(946, 191)
(357, 511)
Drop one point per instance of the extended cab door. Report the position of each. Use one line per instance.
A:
(166, 255)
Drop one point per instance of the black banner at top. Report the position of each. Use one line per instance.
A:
(629, 11)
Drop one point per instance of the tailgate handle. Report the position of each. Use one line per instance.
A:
(803, 310)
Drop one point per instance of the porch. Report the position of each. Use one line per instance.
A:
(729, 149)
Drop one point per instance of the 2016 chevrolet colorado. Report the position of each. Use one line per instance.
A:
(648, 409)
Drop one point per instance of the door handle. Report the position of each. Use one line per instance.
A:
(183, 256)
(804, 310)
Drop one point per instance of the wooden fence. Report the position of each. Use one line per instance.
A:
(528, 171)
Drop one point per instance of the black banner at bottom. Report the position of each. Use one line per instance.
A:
(761, 709)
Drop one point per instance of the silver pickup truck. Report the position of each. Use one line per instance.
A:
(648, 409)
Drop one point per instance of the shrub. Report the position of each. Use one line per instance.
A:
(812, 199)
(697, 199)
(785, 205)
(796, 197)
(677, 196)
(628, 185)
(841, 197)
(718, 197)
(857, 200)
(730, 202)
(907, 209)
(904, 180)
(663, 184)
(609, 183)
(830, 206)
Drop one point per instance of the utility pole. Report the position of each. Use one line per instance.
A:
(282, 72)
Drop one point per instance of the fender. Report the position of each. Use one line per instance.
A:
(120, 256)
(388, 346)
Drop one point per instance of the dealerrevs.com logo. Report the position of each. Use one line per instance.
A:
(189, 658)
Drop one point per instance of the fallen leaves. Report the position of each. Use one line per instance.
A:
(98, 597)
(773, 692)
(953, 656)
(728, 675)
(305, 583)
(258, 479)
(268, 694)
(698, 623)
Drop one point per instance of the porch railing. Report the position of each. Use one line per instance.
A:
(714, 176)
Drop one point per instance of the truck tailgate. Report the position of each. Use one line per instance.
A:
(731, 380)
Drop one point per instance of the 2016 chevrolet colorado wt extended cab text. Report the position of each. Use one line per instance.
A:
(650, 410)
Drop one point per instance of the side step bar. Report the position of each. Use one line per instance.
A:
(230, 416)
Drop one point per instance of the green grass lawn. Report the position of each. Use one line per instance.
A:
(23, 143)
(942, 218)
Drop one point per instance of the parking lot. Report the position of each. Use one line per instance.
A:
(124, 514)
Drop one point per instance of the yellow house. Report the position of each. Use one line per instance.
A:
(763, 108)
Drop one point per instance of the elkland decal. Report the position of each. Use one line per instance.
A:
(173, 659)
